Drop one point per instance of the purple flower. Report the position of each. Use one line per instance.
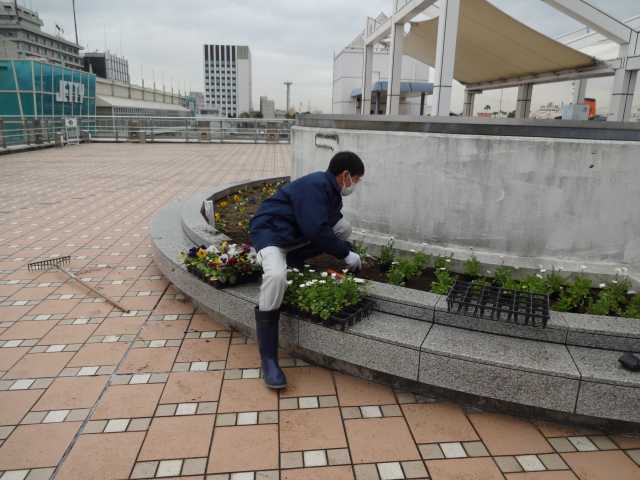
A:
(192, 252)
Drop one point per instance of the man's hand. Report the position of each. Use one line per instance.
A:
(353, 261)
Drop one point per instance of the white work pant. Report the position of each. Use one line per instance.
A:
(274, 265)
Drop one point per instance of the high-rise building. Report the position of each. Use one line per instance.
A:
(107, 65)
(227, 79)
(21, 37)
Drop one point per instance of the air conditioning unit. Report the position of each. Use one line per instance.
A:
(71, 122)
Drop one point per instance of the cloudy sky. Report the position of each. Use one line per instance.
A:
(289, 39)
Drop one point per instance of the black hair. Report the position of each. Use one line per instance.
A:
(349, 161)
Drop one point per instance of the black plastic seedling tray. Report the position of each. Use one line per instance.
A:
(498, 304)
(341, 320)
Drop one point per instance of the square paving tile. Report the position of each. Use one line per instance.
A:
(96, 354)
(552, 429)
(626, 441)
(308, 382)
(160, 330)
(54, 307)
(602, 465)
(38, 365)
(464, 469)
(69, 393)
(203, 350)
(9, 356)
(9, 314)
(82, 310)
(192, 387)
(15, 404)
(178, 437)
(438, 422)
(102, 456)
(120, 326)
(354, 391)
(129, 401)
(558, 475)
(311, 429)
(375, 440)
(28, 329)
(204, 323)
(246, 448)
(321, 473)
(36, 446)
(65, 334)
(243, 356)
(248, 395)
(506, 435)
(149, 360)
(169, 306)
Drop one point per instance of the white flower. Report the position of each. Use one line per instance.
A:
(488, 272)
(538, 275)
(345, 270)
(302, 285)
(307, 266)
(394, 263)
(442, 268)
(301, 274)
(448, 260)
(333, 275)
(358, 280)
(614, 281)
(542, 270)
(324, 274)
(631, 292)
(289, 282)
(602, 285)
(625, 270)
(322, 282)
(295, 270)
(212, 249)
(413, 250)
(312, 271)
(289, 270)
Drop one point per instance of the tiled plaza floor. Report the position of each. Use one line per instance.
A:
(165, 392)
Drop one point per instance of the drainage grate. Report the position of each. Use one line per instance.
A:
(498, 304)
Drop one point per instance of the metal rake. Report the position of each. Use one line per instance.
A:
(57, 264)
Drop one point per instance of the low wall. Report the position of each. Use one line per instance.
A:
(548, 198)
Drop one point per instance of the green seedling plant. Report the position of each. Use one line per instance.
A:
(575, 297)
(504, 278)
(612, 299)
(633, 309)
(361, 249)
(444, 279)
(408, 268)
(387, 256)
(472, 267)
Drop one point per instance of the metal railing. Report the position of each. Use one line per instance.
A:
(31, 131)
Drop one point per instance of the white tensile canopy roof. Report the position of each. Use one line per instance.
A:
(491, 46)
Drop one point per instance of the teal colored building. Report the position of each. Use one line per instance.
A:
(31, 89)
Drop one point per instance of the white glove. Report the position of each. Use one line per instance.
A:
(353, 261)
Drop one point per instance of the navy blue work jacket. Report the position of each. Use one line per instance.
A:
(304, 210)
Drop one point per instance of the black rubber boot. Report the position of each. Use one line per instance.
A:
(267, 324)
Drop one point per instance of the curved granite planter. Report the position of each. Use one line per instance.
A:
(411, 339)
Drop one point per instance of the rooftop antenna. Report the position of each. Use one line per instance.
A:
(75, 23)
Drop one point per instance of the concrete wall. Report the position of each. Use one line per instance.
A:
(527, 197)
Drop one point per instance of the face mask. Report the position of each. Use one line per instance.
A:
(346, 191)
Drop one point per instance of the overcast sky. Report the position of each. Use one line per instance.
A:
(289, 39)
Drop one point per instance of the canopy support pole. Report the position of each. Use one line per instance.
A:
(624, 83)
(367, 71)
(469, 100)
(579, 90)
(523, 105)
(445, 56)
(395, 69)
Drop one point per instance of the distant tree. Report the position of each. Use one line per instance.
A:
(244, 115)
(512, 114)
(487, 107)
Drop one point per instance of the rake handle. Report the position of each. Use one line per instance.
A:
(89, 287)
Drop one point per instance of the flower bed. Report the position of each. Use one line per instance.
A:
(434, 274)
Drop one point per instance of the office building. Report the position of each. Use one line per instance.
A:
(21, 37)
(107, 65)
(267, 108)
(227, 79)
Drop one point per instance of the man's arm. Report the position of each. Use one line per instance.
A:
(311, 209)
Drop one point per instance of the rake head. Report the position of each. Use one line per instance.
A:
(49, 264)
